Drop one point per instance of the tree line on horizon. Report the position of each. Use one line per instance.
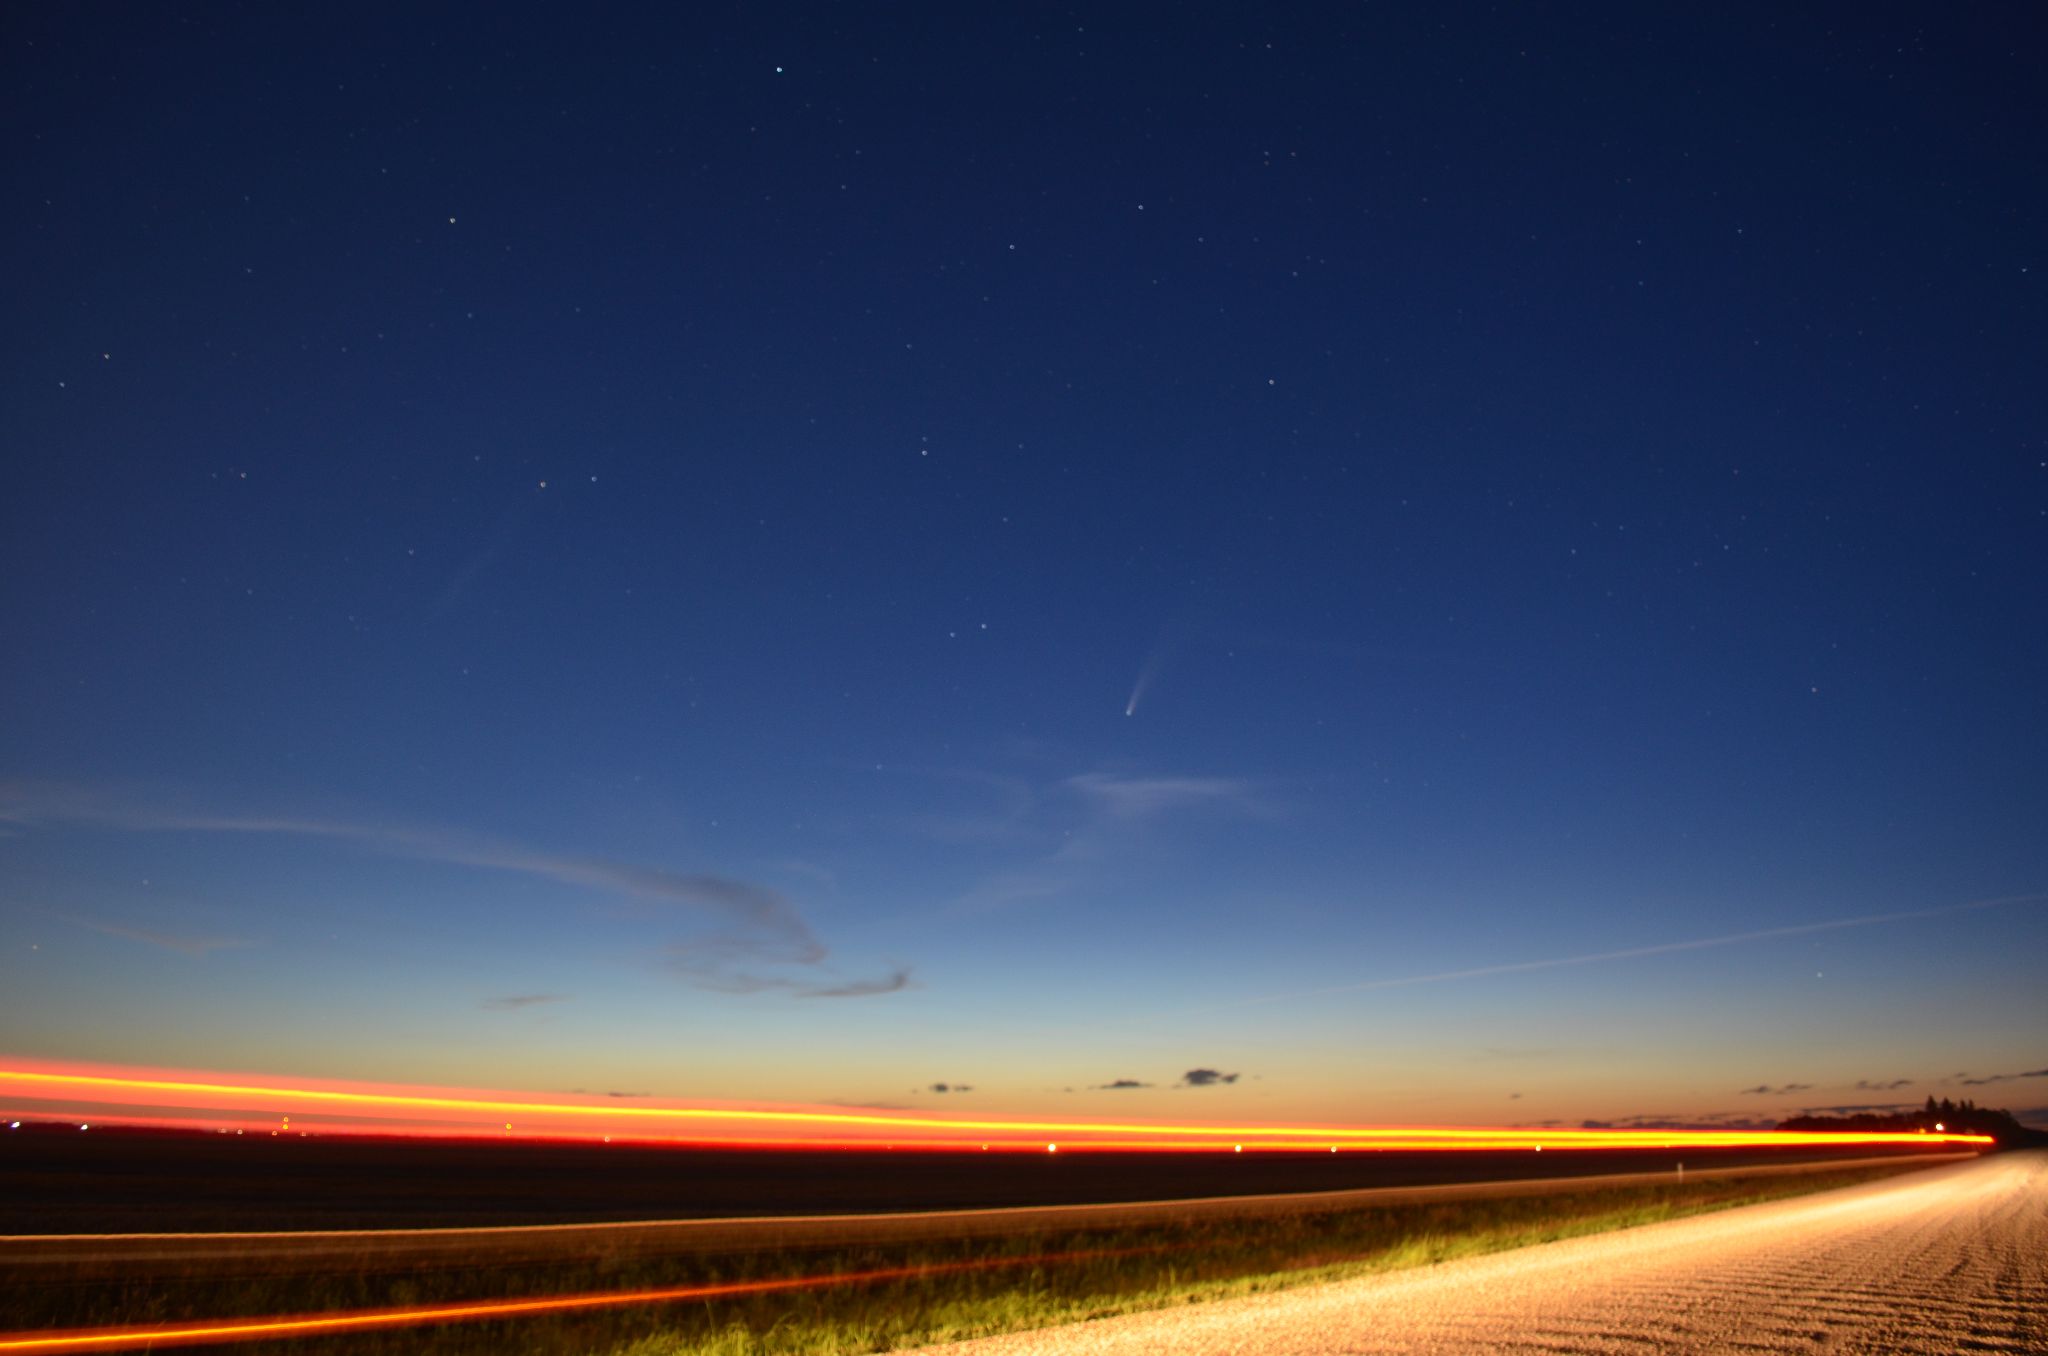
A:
(1956, 1118)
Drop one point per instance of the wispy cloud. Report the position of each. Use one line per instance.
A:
(1891, 1085)
(480, 561)
(196, 947)
(1090, 821)
(950, 1087)
(748, 925)
(1015, 887)
(514, 1002)
(724, 966)
(1135, 798)
(1118, 1085)
(1766, 1090)
(2005, 1078)
(895, 981)
(1641, 952)
(980, 807)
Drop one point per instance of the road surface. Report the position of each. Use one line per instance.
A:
(1952, 1259)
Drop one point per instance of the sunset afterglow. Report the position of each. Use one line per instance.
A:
(332, 1108)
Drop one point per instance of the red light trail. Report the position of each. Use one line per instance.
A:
(270, 1328)
(329, 1107)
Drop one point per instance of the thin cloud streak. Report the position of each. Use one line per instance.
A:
(755, 925)
(1117, 810)
(1003, 815)
(895, 981)
(2004, 1078)
(196, 947)
(1637, 952)
(1128, 798)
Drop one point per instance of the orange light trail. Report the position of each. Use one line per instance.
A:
(126, 1094)
(271, 1328)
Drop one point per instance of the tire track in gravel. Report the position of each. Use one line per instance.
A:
(1953, 1259)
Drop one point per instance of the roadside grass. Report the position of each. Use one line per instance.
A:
(1245, 1258)
(969, 1288)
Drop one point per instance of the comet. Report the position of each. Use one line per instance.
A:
(1146, 674)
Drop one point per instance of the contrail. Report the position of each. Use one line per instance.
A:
(1634, 952)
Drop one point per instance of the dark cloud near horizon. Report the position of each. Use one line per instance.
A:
(867, 1106)
(1766, 1090)
(1708, 1120)
(1866, 1085)
(895, 981)
(1205, 1078)
(951, 1087)
(2004, 1078)
(1193, 1078)
(1854, 1108)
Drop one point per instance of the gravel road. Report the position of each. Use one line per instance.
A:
(1952, 1259)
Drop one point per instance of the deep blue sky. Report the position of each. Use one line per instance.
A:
(802, 552)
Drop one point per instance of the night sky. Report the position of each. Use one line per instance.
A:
(1453, 563)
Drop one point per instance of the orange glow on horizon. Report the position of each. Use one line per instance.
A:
(264, 1106)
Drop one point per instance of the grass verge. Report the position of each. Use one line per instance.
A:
(1225, 1261)
(963, 1289)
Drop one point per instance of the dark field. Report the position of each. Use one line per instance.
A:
(60, 1180)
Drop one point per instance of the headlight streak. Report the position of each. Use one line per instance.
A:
(280, 1327)
(442, 1112)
